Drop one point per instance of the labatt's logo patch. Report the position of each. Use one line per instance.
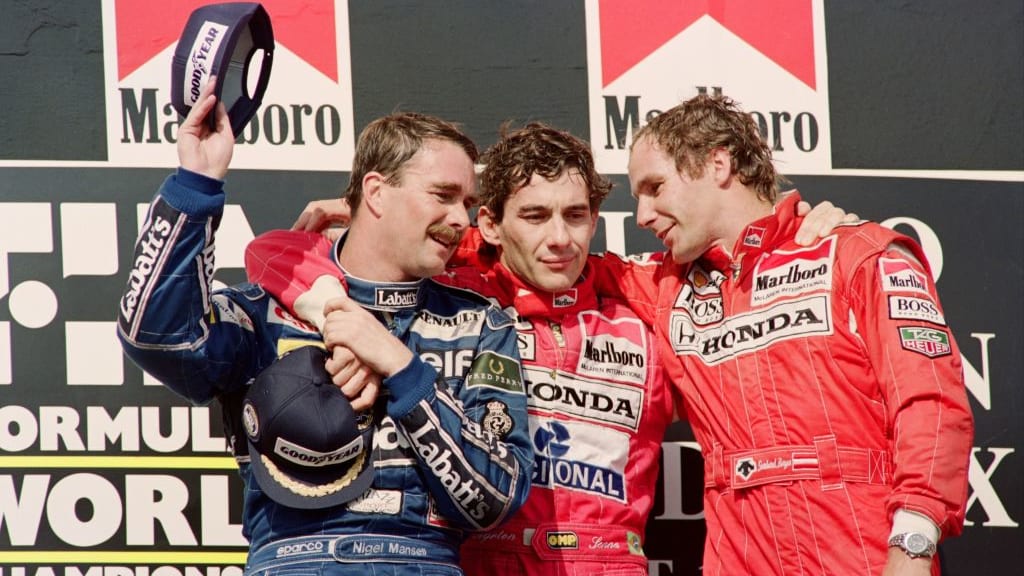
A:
(783, 273)
(769, 56)
(928, 341)
(613, 350)
(898, 275)
(304, 123)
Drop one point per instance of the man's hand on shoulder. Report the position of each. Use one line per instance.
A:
(820, 221)
(321, 215)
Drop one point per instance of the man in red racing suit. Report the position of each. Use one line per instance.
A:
(821, 382)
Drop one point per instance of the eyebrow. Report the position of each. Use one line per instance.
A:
(447, 186)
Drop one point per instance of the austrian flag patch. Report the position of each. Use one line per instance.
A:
(928, 341)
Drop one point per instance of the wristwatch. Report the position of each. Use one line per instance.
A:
(915, 544)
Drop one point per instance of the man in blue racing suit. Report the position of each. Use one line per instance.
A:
(451, 447)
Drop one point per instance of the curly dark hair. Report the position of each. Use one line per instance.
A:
(387, 143)
(536, 149)
(688, 132)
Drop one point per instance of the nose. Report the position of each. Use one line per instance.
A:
(458, 217)
(645, 214)
(558, 232)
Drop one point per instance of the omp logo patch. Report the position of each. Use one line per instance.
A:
(613, 349)
(495, 371)
(900, 276)
(753, 331)
(789, 273)
(560, 459)
(593, 400)
(561, 540)
(927, 341)
(701, 296)
(911, 308)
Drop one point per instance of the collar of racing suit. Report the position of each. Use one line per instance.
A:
(381, 296)
(530, 301)
(760, 236)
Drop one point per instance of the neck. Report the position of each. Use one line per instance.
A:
(742, 207)
(366, 256)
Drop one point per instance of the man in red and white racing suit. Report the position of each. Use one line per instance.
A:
(822, 382)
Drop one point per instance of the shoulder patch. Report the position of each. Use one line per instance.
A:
(495, 371)
(929, 342)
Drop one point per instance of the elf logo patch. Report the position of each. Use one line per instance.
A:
(927, 341)
(305, 122)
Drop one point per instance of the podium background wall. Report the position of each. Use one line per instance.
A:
(921, 127)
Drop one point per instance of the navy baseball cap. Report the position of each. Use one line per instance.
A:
(224, 40)
(308, 448)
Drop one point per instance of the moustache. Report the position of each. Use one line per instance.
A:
(445, 233)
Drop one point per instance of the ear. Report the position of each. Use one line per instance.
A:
(373, 189)
(489, 227)
(720, 164)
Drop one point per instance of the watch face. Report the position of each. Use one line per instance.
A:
(916, 543)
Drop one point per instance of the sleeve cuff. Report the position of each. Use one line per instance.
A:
(904, 521)
(408, 386)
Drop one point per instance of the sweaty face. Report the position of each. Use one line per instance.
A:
(680, 210)
(546, 231)
(427, 213)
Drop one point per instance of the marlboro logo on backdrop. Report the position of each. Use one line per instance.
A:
(305, 122)
(645, 56)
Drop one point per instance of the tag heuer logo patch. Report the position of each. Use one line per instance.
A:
(928, 341)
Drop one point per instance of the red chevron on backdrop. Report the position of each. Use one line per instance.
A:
(633, 29)
(145, 28)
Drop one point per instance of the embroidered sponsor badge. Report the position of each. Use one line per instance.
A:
(564, 299)
(898, 275)
(633, 542)
(497, 419)
(927, 341)
(562, 540)
(791, 273)
(496, 371)
(911, 308)
(754, 236)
